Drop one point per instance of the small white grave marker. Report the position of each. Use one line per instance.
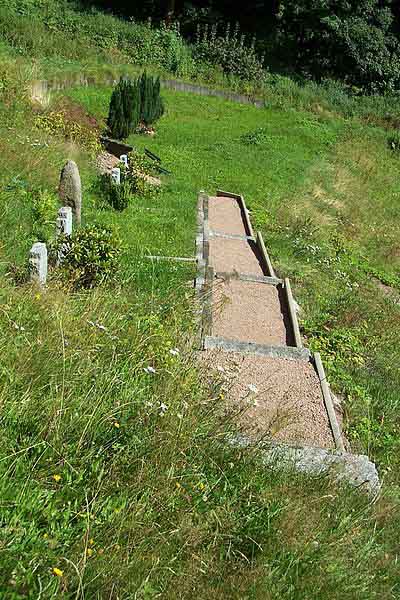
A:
(124, 159)
(116, 175)
(38, 262)
(64, 221)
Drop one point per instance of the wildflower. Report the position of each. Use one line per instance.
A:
(91, 541)
(163, 408)
(201, 486)
(57, 477)
(149, 370)
(37, 296)
(116, 424)
(174, 351)
(57, 572)
(89, 551)
(253, 388)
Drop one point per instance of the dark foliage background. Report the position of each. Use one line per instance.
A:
(356, 41)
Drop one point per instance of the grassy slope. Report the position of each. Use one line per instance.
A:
(323, 190)
(149, 505)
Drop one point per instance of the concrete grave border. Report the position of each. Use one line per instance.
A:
(264, 254)
(292, 313)
(330, 409)
(356, 470)
(290, 352)
(243, 208)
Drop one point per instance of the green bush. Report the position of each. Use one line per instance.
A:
(124, 112)
(256, 138)
(44, 208)
(90, 255)
(151, 104)
(133, 183)
(133, 102)
(117, 196)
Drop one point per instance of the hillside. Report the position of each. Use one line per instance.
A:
(116, 478)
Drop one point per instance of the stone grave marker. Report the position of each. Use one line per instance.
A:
(38, 263)
(70, 188)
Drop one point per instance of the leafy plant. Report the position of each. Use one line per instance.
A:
(255, 138)
(229, 52)
(44, 208)
(90, 255)
(57, 123)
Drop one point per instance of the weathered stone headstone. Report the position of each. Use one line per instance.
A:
(70, 188)
(38, 263)
(64, 221)
(124, 159)
(116, 175)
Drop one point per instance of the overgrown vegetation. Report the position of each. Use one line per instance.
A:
(115, 476)
(89, 256)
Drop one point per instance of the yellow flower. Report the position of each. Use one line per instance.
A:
(37, 296)
(89, 551)
(57, 477)
(201, 485)
(117, 425)
(58, 572)
(91, 541)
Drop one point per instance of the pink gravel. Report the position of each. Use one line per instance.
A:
(230, 256)
(225, 216)
(276, 398)
(249, 312)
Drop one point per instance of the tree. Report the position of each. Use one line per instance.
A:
(350, 39)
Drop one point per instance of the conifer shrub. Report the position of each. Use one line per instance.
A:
(133, 102)
(124, 111)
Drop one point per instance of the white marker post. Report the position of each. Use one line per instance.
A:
(116, 175)
(124, 159)
(64, 221)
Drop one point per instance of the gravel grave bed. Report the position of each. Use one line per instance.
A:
(225, 216)
(228, 256)
(250, 312)
(268, 397)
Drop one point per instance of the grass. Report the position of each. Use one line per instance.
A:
(128, 499)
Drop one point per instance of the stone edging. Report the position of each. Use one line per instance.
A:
(243, 207)
(292, 314)
(337, 434)
(289, 352)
